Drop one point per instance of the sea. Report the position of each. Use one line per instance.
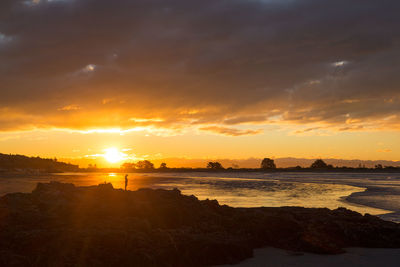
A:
(373, 193)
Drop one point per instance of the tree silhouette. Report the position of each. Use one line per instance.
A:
(320, 164)
(128, 166)
(268, 163)
(163, 165)
(144, 165)
(214, 165)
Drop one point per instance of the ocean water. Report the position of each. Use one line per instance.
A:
(376, 194)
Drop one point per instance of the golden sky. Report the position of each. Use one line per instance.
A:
(275, 142)
(200, 79)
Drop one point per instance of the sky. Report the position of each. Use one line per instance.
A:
(200, 79)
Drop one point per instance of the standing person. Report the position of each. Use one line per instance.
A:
(126, 181)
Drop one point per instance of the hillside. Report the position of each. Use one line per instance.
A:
(20, 162)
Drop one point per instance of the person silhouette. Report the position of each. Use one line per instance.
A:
(126, 181)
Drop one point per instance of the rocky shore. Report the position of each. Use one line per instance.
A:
(64, 225)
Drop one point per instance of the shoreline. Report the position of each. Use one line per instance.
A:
(364, 198)
(384, 213)
(353, 199)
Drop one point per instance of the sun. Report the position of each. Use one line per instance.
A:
(113, 155)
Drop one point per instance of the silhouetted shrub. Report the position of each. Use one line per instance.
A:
(268, 163)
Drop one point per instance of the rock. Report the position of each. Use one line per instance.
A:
(64, 225)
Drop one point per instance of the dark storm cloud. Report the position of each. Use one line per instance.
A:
(199, 62)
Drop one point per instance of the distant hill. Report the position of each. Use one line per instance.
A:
(20, 162)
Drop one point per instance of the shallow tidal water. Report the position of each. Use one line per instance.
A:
(377, 194)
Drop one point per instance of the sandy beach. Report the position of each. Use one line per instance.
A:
(365, 257)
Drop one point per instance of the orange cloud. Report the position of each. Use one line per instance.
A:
(384, 150)
(230, 131)
(199, 64)
(70, 107)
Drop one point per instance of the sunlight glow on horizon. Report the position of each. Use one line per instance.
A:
(88, 147)
(113, 155)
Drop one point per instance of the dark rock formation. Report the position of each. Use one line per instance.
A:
(62, 225)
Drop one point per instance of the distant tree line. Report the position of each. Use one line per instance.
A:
(318, 164)
(19, 162)
(267, 164)
(9, 162)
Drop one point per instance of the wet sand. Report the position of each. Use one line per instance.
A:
(365, 257)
